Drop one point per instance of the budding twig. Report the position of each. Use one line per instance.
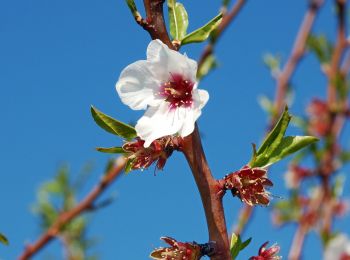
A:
(65, 217)
(295, 56)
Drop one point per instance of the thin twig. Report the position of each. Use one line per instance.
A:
(295, 57)
(282, 83)
(326, 166)
(226, 21)
(65, 217)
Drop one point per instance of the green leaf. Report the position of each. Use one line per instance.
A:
(115, 149)
(275, 146)
(112, 125)
(273, 62)
(236, 245)
(271, 141)
(202, 33)
(266, 104)
(208, 64)
(275, 136)
(245, 244)
(178, 20)
(132, 6)
(321, 47)
(290, 145)
(128, 166)
(3, 239)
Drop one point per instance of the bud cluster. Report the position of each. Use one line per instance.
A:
(249, 184)
(159, 151)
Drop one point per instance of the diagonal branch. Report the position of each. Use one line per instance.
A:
(65, 217)
(226, 21)
(282, 84)
(295, 56)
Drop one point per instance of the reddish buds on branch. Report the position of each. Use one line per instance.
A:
(248, 184)
(267, 253)
(177, 250)
(158, 152)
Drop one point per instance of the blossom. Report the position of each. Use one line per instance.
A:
(158, 151)
(267, 253)
(165, 85)
(249, 184)
(319, 120)
(295, 175)
(338, 248)
(177, 251)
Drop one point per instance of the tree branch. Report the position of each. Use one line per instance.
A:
(156, 24)
(326, 166)
(226, 21)
(295, 57)
(65, 217)
(208, 188)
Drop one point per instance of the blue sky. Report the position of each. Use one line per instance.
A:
(59, 57)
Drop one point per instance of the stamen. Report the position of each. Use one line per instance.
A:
(177, 91)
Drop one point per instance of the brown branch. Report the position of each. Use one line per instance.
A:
(326, 166)
(226, 21)
(155, 19)
(282, 84)
(295, 57)
(208, 188)
(338, 53)
(65, 217)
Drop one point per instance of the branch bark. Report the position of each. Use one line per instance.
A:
(208, 188)
(156, 24)
(65, 217)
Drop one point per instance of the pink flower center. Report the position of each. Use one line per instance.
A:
(177, 91)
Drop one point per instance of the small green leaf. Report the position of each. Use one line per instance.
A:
(112, 125)
(275, 136)
(290, 145)
(208, 64)
(245, 244)
(267, 105)
(178, 20)
(202, 33)
(321, 47)
(234, 239)
(132, 6)
(128, 166)
(271, 141)
(115, 149)
(3, 239)
(235, 245)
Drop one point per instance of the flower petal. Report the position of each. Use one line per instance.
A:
(200, 98)
(137, 86)
(158, 122)
(164, 61)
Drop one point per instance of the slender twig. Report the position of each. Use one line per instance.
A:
(326, 166)
(226, 21)
(282, 84)
(65, 217)
(295, 56)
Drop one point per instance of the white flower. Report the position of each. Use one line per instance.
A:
(338, 248)
(164, 84)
